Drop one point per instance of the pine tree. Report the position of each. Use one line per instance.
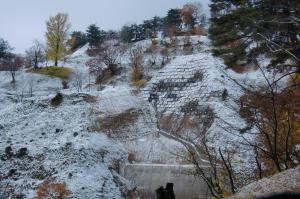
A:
(133, 33)
(127, 34)
(4, 48)
(57, 37)
(78, 39)
(95, 36)
(173, 18)
(237, 24)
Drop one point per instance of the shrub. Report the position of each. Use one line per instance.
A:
(52, 190)
(154, 42)
(199, 31)
(137, 60)
(137, 74)
(131, 157)
(65, 84)
(224, 94)
(57, 100)
(139, 83)
(187, 46)
(22, 152)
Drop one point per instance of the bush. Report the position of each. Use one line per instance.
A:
(139, 83)
(50, 189)
(57, 100)
(54, 71)
(225, 94)
(131, 157)
(65, 84)
(22, 152)
(187, 46)
(137, 74)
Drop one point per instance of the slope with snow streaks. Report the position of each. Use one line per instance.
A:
(192, 82)
(58, 142)
(195, 78)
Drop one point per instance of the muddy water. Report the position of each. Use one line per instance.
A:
(152, 176)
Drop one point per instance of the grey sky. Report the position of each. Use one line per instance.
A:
(22, 21)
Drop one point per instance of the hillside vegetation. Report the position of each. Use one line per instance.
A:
(220, 98)
(53, 71)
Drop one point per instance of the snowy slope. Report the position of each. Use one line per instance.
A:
(63, 141)
(58, 141)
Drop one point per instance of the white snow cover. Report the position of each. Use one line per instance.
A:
(60, 140)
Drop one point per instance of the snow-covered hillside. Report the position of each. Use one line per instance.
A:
(54, 141)
(83, 141)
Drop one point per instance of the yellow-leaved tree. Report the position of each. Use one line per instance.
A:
(57, 37)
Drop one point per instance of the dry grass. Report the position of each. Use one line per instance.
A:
(51, 189)
(131, 157)
(139, 83)
(53, 71)
(115, 123)
(244, 68)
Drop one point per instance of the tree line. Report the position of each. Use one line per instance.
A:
(60, 42)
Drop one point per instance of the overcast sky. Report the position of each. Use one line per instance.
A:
(22, 21)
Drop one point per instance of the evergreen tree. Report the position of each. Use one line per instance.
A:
(127, 34)
(149, 28)
(78, 39)
(4, 48)
(238, 24)
(95, 36)
(173, 18)
(132, 33)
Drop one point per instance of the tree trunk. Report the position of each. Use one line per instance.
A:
(229, 171)
(13, 80)
(35, 63)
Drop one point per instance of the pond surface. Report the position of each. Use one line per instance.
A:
(153, 176)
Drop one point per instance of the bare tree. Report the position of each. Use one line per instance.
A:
(36, 54)
(11, 63)
(110, 55)
(165, 55)
(153, 50)
(137, 61)
(275, 113)
(105, 62)
(78, 80)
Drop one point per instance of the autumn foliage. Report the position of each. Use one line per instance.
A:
(52, 190)
(276, 116)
